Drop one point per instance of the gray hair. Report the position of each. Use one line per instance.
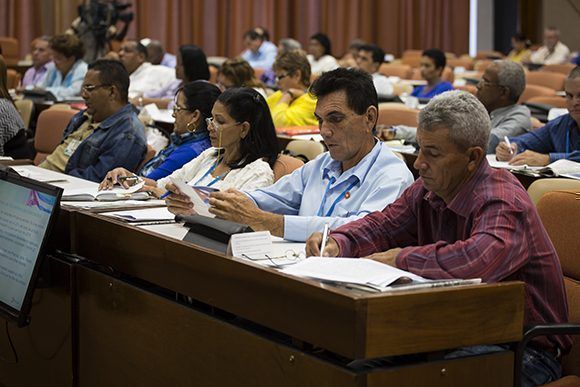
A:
(290, 44)
(511, 75)
(462, 113)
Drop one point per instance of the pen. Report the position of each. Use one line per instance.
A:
(508, 143)
(130, 178)
(166, 194)
(324, 238)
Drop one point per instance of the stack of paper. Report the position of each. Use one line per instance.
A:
(116, 193)
(148, 215)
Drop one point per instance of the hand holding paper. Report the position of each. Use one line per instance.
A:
(187, 200)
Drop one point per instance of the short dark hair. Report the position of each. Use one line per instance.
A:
(141, 49)
(112, 72)
(357, 84)
(575, 73)
(324, 41)
(377, 52)
(200, 95)
(253, 35)
(194, 63)
(247, 105)
(437, 56)
(67, 45)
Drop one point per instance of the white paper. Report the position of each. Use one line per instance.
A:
(143, 215)
(556, 112)
(159, 115)
(505, 165)
(199, 205)
(94, 192)
(253, 244)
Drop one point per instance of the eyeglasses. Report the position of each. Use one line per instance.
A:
(91, 88)
(280, 77)
(290, 257)
(177, 108)
(210, 122)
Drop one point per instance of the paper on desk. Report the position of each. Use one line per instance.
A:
(199, 205)
(143, 215)
(505, 165)
(94, 191)
(252, 244)
(96, 205)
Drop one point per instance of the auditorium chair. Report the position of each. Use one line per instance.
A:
(558, 68)
(535, 91)
(466, 63)
(402, 71)
(542, 186)
(447, 74)
(10, 50)
(397, 114)
(482, 64)
(555, 101)
(305, 149)
(547, 79)
(285, 165)
(25, 108)
(13, 79)
(49, 130)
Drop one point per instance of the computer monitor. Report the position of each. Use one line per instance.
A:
(27, 212)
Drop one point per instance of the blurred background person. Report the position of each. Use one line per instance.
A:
(260, 52)
(40, 62)
(157, 55)
(238, 73)
(320, 54)
(433, 63)
(520, 52)
(553, 51)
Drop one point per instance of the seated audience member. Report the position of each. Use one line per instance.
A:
(464, 219)
(356, 176)
(369, 59)
(107, 134)
(191, 66)
(349, 59)
(65, 78)
(284, 45)
(157, 56)
(520, 52)
(292, 105)
(143, 75)
(433, 63)
(553, 51)
(11, 125)
(499, 91)
(41, 59)
(558, 139)
(260, 52)
(238, 73)
(320, 54)
(189, 139)
(244, 149)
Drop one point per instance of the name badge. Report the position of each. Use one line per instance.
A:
(72, 147)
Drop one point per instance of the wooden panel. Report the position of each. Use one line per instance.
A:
(482, 371)
(130, 337)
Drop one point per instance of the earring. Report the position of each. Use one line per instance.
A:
(191, 125)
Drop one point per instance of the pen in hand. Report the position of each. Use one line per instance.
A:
(509, 145)
(324, 239)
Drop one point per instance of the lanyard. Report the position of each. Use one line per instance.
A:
(568, 140)
(210, 170)
(338, 199)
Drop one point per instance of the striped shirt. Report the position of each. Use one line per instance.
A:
(490, 230)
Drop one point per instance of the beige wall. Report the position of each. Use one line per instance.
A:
(564, 14)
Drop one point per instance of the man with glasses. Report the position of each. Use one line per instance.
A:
(107, 134)
(358, 174)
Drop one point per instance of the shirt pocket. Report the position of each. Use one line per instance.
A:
(89, 154)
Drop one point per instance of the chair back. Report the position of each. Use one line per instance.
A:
(466, 63)
(489, 54)
(397, 114)
(306, 148)
(285, 165)
(25, 108)
(13, 78)
(402, 71)
(482, 64)
(547, 79)
(540, 187)
(149, 154)
(446, 75)
(10, 50)
(560, 214)
(535, 91)
(559, 68)
(555, 101)
(49, 129)
(413, 61)
(411, 53)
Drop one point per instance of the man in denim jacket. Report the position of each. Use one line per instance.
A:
(107, 134)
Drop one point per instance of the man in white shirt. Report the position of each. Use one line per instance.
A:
(369, 59)
(553, 51)
(144, 76)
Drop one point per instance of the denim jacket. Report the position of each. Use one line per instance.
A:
(119, 141)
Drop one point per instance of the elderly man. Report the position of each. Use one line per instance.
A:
(463, 219)
(553, 51)
(40, 61)
(369, 59)
(107, 134)
(157, 54)
(144, 76)
(356, 176)
(499, 90)
(558, 139)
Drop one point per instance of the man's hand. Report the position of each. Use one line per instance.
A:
(112, 178)
(531, 158)
(236, 206)
(387, 257)
(313, 246)
(504, 153)
(177, 202)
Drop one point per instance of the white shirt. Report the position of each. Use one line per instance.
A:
(149, 78)
(325, 63)
(560, 55)
(257, 174)
(382, 84)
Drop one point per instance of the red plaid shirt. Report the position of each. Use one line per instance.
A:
(490, 230)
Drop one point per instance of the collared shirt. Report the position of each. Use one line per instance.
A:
(383, 86)
(264, 58)
(379, 178)
(508, 121)
(490, 230)
(169, 60)
(543, 55)
(149, 78)
(323, 64)
(35, 76)
(559, 138)
(70, 85)
(167, 92)
(300, 112)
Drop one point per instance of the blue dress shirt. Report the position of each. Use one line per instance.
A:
(68, 87)
(264, 58)
(560, 139)
(439, 88)
(320, 186)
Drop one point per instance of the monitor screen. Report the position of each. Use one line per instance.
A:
(27, 211)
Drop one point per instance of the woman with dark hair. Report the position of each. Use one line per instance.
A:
(65, 78)
(191, 66)
(320, 54)
(190, 137)
(11, 125)
(520, 52)
(238, 73)
(433, 63)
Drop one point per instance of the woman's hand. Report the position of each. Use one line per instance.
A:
(177, 202)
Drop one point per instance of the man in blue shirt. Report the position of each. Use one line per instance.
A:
(358, 174)
(107, 134)
(559, 139)
(260, 53)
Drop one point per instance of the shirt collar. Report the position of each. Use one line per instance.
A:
(112, 119)
(334, 168)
